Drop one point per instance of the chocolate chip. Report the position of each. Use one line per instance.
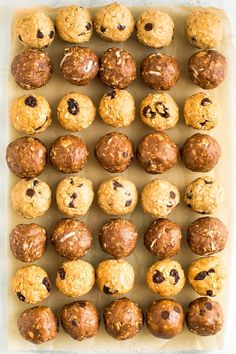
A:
(31, 101)
(165, 315)
(74, 322)
(51, 34)
(208, 182)
(175, 275)
(211, 270)
(205, 101)
(107, 290)
(74, 195)
(117, 184)
(71, 181)
(208, 306)
(121, 27)
(80, 185)
(20, 38)
(162, 110)
(61, 272)
(177, 309)
(202, 312)
(47, 283)
(125, 154)
(172, 195)
(111, 94)
(39, 34)
(42, 124)
(36, 182)
(194, 39)
(204, 123)
(30, 192)
(209, 292)
(148, 113)
(128, 203)
(71, 204)
(158, 277)
(102, 29)
(20, 296)
(148, 26)
(88, 26)
(201, 275)
(73, 107)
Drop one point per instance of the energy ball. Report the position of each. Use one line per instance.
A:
(31, 198)
(160, 71)
(123, 319)
(74, 196)
(31, 284)
(117, 108)
(71, 238)
(165, 318)
(80, 319)
(207, 69)
(114, 22)
(204, 317)
(79, 65)
(206, 276)
(163, 238)
(68, 154)
(117, 196)
(31, 69)
(117, 68)
(28, 242)
(166, 277)
(207, 235)
(118, 237)
(156, 152)
(115, 277)
(75, 111)
(74, 24)
(114, 152)
(38, 324)
(75, 278)
(159, 198)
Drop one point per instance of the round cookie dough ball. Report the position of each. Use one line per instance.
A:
(123, 319)
(114, 152)
(115, 277)
(165, 318)
(35, 29)
(206, 276)
(71, 238)
(117, 196)
(156, 152)
(163, 238)
(203, 195)
(201, 111)
(207, 69)
(31, 284)
(159, 198)
(38, 324)
(166, 277)
(114, 22)
(74, 196)
(207, 235)
(204, 317)
(160, 71)
(117, 68)
(75, 278)
(117, 108)
(28, 242)
(118, 237)
(31, 69)
(79, 65)
(75, 111)
(204, 29)
(31, 198)
(74, 24)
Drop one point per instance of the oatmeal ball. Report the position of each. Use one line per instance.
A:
(79, 65)
(156, 152)
(80, 319)
(207, 235)
(31, 69)
(75, 111)
(165, 318)
(123, 319)
(203, 195)
(75, 278)
(117, 68)
(204, 317)
(71, 238)
(166, 277)
(117, 196)
(207, 69)
(160, 71)
(114, 152)
(118, 237)
(74, 196)
(114, 22)
(74, 24)
(117, 108)
(31, 284)
(163, 238)
(31, 198)
(115, 277)
(38, 324)
(28, 242)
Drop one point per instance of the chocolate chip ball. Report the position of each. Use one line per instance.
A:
(165, 318)
(207, 69)
(160, 71)
(26, 157)
(114, 152)
(31, 69)
(117, 68)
